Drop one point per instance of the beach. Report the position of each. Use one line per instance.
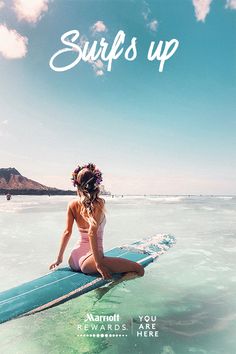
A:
(190, 289)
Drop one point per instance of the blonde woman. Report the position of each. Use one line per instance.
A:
(88, 211)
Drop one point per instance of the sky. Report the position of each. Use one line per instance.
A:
(149, 132)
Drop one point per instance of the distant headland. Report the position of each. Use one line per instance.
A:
(11, 181)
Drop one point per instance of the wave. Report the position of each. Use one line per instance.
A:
(224, 198)
(154, 245)
(12, 207)
(208, 208)
(168, 199)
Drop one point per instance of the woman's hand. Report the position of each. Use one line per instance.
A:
(55, 264)
(103, 271)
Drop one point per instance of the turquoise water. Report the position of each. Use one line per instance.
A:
(191, 289)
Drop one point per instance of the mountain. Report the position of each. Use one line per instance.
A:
(11, 181)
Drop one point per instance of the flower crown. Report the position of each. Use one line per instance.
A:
(92, 168)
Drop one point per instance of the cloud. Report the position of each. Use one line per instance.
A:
(98, 67)
(202, 8)
(230, 4)
(99, 64)
(82, 40)
(2, 4)
(30, 10)
(12, 44)
(153, 25)
(100, 73)
(146, 11)
(4, 122)
(98, 27)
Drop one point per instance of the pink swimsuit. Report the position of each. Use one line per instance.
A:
(81, 250)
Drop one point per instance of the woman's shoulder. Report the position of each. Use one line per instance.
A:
(73, 203)
(101, 200)
(101, 203)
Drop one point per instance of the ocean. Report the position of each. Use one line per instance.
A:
(190, 290)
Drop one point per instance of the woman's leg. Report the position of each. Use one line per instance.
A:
(114, 265)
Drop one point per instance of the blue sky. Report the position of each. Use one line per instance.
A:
(149, 132)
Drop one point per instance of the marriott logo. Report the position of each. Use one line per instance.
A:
(102, 318)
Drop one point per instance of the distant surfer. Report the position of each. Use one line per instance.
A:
(88, 211)
(8, 196)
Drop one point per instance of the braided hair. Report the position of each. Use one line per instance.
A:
(87, 178)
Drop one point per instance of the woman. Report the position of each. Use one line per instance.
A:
(88, 212)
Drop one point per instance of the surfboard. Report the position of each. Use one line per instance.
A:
(63, 284)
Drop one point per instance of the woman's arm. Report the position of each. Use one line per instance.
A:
(94, 245)
(92, 234)
(98, 215)
(65, 237)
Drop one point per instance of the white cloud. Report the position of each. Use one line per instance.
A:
(12, 44)
(82, 40)
(202, 9)
(2, 4)
(99, 72)
(4, 122)
(231, 4)
(146, 12)
(30, 10)
(98, 27)
(99, 64)
(98, 67)
(153, 25)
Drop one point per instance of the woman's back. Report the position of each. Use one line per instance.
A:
(76, 206)
(82, 248)
(84, 238)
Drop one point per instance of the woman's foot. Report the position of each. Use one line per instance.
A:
(130, 275)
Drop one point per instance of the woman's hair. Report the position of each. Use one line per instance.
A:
(87, 179)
